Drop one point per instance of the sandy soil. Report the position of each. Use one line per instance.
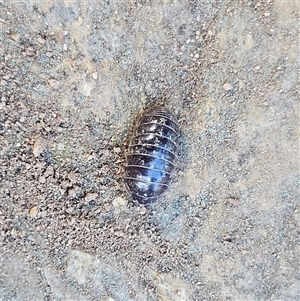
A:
(74, 76)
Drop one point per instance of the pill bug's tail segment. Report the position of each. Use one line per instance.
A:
(151, 156)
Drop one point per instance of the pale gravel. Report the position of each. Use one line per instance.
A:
(73, 78)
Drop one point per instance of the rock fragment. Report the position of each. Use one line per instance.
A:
(227, 87)
(39, 146)
(53, 83)
(33, 211)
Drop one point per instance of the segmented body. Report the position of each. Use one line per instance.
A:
(151, 156)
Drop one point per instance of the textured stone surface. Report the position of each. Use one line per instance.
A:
(74, 76)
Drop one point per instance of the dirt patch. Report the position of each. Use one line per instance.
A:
(73, 77)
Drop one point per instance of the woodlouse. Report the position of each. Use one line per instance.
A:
(151, 154)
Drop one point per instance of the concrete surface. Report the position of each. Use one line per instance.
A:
(74, 75)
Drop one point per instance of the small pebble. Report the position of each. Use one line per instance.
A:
(30, 51)
(53, 83)
(41, 41)
(15, 37)
(60, 146)
(91, 197)
(117, 150)
(74, 192)
(142, 210)
(33, 211)
(234, 201)
(42, 179)
(95, 75)
(119, 202)
(227, 87)
(39, 146)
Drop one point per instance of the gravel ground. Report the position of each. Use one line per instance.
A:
(74, 76)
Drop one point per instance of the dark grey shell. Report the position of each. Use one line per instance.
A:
(151, 155)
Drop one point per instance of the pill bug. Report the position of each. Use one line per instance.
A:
(151, 154)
